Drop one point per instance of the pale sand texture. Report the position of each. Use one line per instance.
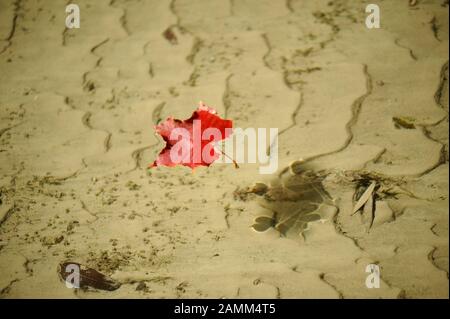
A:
(77, 109)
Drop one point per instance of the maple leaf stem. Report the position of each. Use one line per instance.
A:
(234, 162)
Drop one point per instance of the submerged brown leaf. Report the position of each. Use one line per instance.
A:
(263, 223)
(294, 202)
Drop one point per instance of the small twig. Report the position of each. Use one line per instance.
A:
(234, 162)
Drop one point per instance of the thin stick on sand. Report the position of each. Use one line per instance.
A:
(234, 162)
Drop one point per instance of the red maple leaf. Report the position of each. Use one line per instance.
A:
(191, 142)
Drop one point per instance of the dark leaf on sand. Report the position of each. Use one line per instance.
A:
(170, 36)
(89, 277)
(402, 122)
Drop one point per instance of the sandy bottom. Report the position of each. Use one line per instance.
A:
(358, 105)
